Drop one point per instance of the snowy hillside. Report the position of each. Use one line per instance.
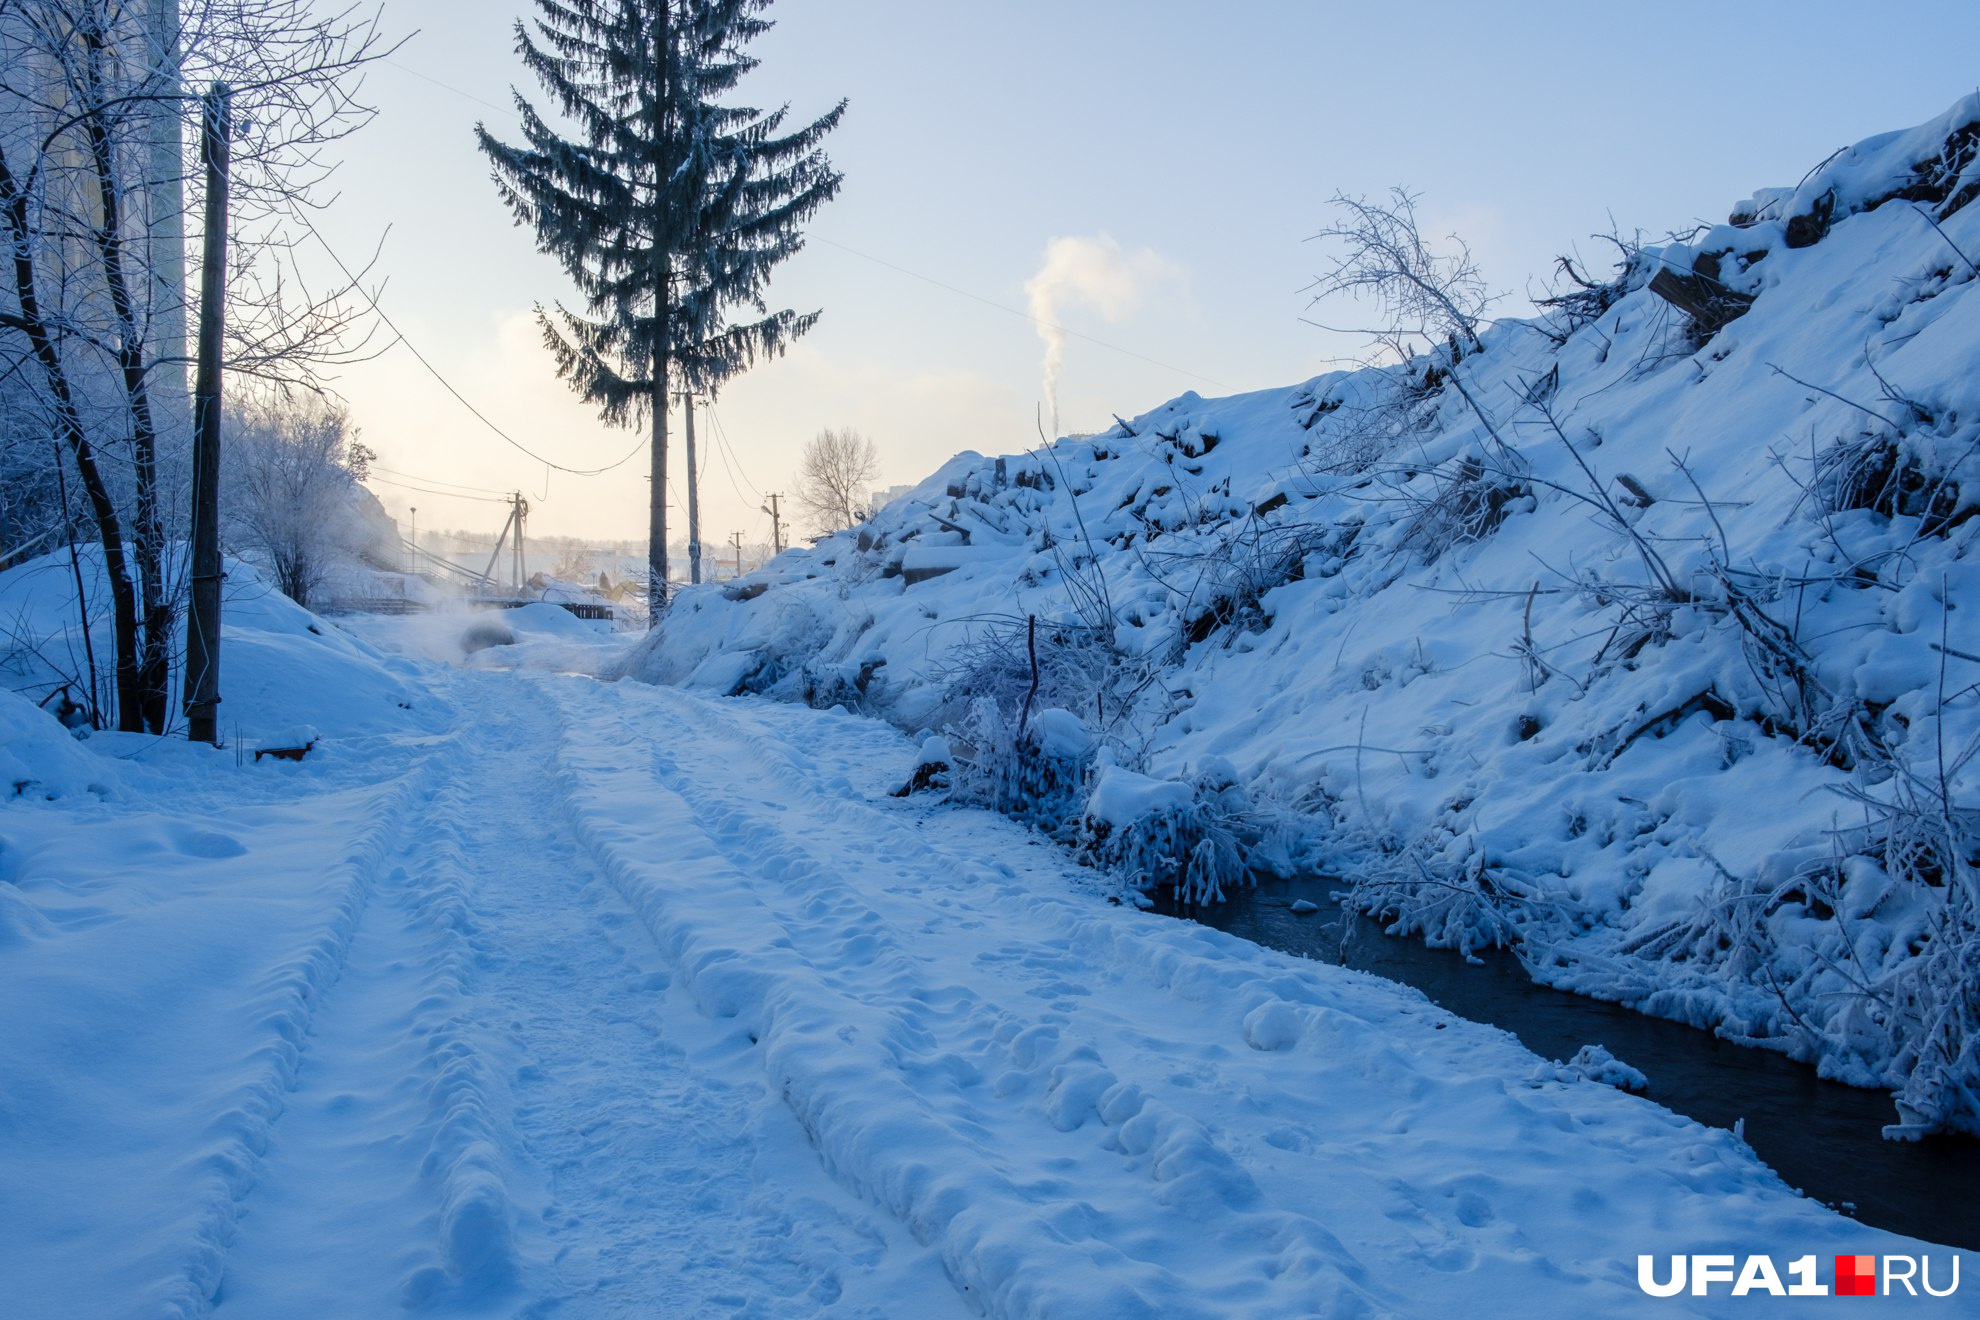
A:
(1642, 639)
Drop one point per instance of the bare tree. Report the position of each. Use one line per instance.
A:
(1439, 299)
(94, 167)
(292, 470)
(1381, 253)
(835, 478)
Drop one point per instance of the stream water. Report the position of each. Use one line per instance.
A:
(1821, 1137)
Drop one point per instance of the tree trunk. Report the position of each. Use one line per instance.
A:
(656, 524)
(148, 533)
(68, 424)
(203, 627)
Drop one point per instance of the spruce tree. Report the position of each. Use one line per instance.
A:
(667, 207)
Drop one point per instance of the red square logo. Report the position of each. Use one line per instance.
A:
(1856, 1276)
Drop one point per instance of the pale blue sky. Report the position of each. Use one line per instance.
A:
(1202, 140)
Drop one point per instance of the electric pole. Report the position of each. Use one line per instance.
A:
(203, 619)
(776, 524)
(735, 539)
(521, 512)
(414, 541)
(694, 503)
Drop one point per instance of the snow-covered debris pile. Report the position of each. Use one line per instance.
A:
(39, 758)
(932, 765)
(1645, 635)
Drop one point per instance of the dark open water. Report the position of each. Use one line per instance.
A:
(1820, 1136)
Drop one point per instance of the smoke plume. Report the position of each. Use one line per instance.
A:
(1084, 273)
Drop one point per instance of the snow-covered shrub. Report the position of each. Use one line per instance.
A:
(1223, 579)
(827, 684)
(1154, 832)
(291, 498)
(1077, 668)
(1913, 962)
(1938, 1001)
(1578, 300)
(1036, 774)
(1468, 502)
(1454, 897)
(1350, 435)
(1899, 476)
(1379, 252)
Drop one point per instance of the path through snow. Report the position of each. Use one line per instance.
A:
(500, 1101)
(613, 1000)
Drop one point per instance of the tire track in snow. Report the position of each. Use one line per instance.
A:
(292, 995)
(501, 1109)
(851, 1014)
(393, 1109)
(656, 1206)
(1170, 1079)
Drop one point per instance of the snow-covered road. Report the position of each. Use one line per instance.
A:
(505, 1106)
(610, 1000)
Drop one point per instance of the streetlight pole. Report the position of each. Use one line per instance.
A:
(413, 540)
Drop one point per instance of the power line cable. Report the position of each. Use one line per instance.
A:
(434, 481)
(730, 471)
(443, 494)
(447, 384)
(508, 110)
(729, 455)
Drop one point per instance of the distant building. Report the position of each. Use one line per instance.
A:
(38, 95)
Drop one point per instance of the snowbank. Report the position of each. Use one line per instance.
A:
(1653, 649)
(280, 665)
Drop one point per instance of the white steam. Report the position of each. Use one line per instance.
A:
(1091, 273)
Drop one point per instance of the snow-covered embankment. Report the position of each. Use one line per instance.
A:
(1644, 639)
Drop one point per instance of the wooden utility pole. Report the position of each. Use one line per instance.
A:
(694, 487)
(665, 98)
(522, 565)
(776, 524)
(735, 539)
(202, 685)
(518, 510)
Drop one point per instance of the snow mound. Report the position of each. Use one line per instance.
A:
(1594, 1063)
(554, 621)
